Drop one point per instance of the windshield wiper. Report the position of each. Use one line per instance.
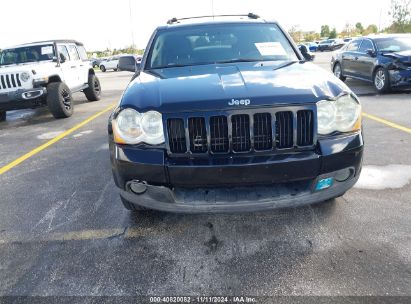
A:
(178, 65)
(243, 60)
(286, 64)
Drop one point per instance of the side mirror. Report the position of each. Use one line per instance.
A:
(370, 52)
(62, 58)
(304, 51)
(129, 66)
(54, 58)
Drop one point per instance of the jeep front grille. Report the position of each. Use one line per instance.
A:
(241, 133)
(9, 81)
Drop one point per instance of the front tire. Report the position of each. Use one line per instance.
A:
(130, 206)
(59, 100)
(103, 68)
(94, 89)
(3, 115)
(381, 80)
(338, 72)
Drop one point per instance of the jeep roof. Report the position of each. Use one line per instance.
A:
(46, 42)
(205, 20)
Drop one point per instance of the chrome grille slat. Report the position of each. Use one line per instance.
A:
(305, 126)
(284, 128)
(198, 135)
(219, 134)
(176, 135)
(241, 132)
(262, 131)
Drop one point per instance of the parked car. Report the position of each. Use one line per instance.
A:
(128, 63)
(95, 62)
(348, 39)
(384, 60)
(325, 45)
(337, 44)
(330, 45)
(46, 74)
(110, 63)
(312, 46)
(233, 119)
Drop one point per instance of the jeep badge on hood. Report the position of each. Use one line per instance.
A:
(238, 102)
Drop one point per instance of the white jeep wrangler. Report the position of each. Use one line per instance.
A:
(46, 73)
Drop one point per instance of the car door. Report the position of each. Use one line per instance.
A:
(111, 63)
(85, 64)
(69, 73)
(114, 62)
(348, 58)
(365, 62)
(75, 65)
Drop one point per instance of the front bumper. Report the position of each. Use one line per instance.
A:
(236, 184)
(21, 99)
(400, 78)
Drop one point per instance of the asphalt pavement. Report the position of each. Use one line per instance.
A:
(64, 232)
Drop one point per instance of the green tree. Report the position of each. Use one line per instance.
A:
(333, 34)
(359, 27)
(371, 29)
(325, 31)
(401, 16)
(347, 30)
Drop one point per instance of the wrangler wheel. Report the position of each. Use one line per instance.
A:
(59, 100)
(94, 88)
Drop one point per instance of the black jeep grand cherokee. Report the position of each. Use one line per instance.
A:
(227, 116)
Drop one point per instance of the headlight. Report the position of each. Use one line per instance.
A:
(24, 76)
(131, 127)
(342, 115)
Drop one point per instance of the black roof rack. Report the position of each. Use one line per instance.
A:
(249, 15)
(57, 41)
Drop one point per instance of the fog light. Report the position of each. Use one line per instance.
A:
(324, 183)
(32, 94)
(138, 187)
(343, 175)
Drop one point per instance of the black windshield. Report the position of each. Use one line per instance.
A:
(219, 43)
(27, 54)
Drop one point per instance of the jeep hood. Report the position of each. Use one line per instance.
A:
(212, 87)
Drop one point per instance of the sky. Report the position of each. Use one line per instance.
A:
(102, 24)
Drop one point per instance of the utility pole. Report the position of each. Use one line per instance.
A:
(131, 25)
(379, 22)
(212, 8)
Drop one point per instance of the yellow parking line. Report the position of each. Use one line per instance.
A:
(52, 141)
(386, 122)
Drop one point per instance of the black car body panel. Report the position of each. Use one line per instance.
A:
(238, 137)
